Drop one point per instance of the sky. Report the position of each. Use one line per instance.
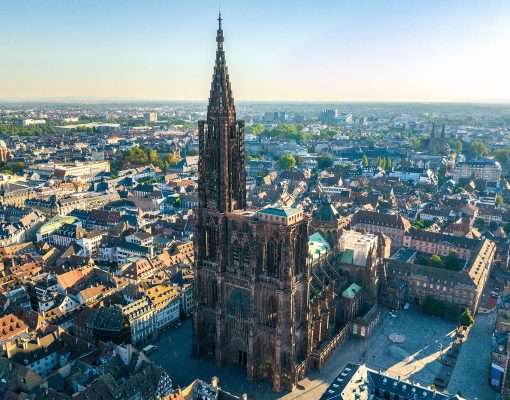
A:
(285, 50)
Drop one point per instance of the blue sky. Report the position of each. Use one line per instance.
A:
(276, 50)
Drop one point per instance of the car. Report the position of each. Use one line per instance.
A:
(149, 349)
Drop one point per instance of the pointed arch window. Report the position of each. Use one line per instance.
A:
(271, 312)
(273, 255)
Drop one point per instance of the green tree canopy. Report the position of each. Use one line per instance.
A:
(172, 159)
(466, 318)
(153, 157)
(441, 308)
(364, 160)
(287, 161)
(288, 131)
(324, 162)
(479, 149)
(452, 261)
(137, 156)
(502, 155)
(256, 129)
(436, 261)
(457, 146)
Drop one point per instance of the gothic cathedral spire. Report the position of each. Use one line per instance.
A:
(222, 178)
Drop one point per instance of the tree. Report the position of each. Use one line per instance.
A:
(417, 144)
(442, 309)
(436, 261)
(364, 161)
(256, 129)
(499, 200)
(452, 261)
(502, 155)
(172, 159)
(466, 318)
(136, 155)
(384, 163)
(328, 133)
(153, 156)
(479, 149)
(284, 130)
(287, 161)
(458, 146)
(324, 162)
(288, 131)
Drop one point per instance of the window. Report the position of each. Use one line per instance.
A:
(273, 255)
(271, 312)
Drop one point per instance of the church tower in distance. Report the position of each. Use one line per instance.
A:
(252, 281)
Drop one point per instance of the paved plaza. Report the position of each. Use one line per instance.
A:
(425, 340)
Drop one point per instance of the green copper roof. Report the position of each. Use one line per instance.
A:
(317, 245)
(55, 223)
(351, 291)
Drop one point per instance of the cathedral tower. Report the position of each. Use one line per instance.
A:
(252, 285)
(222, 177)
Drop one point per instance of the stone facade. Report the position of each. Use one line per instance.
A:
(252, 279)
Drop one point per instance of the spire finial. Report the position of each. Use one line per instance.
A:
(219, 34)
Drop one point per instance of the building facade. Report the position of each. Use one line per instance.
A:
(487, 170)
(252, 279)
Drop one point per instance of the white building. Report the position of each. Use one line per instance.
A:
(415, 175)
(360, 244)
(32, 122)
(141, 315)
(167, 303)
(488, 170)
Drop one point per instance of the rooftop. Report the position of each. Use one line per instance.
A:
(351, 291)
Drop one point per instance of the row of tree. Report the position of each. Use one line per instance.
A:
(451, 261)
(139, 156)
(12, 129)
(448, 311)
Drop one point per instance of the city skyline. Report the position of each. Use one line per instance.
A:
(326, 52)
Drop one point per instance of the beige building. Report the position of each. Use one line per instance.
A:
(463, 288)
(392, 225)
(436, 243)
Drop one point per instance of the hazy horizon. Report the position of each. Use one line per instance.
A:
(326, 51)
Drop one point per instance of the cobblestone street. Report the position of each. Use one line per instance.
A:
(471, 373)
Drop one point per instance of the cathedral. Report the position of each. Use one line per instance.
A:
(268, 297)
(252, 281)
